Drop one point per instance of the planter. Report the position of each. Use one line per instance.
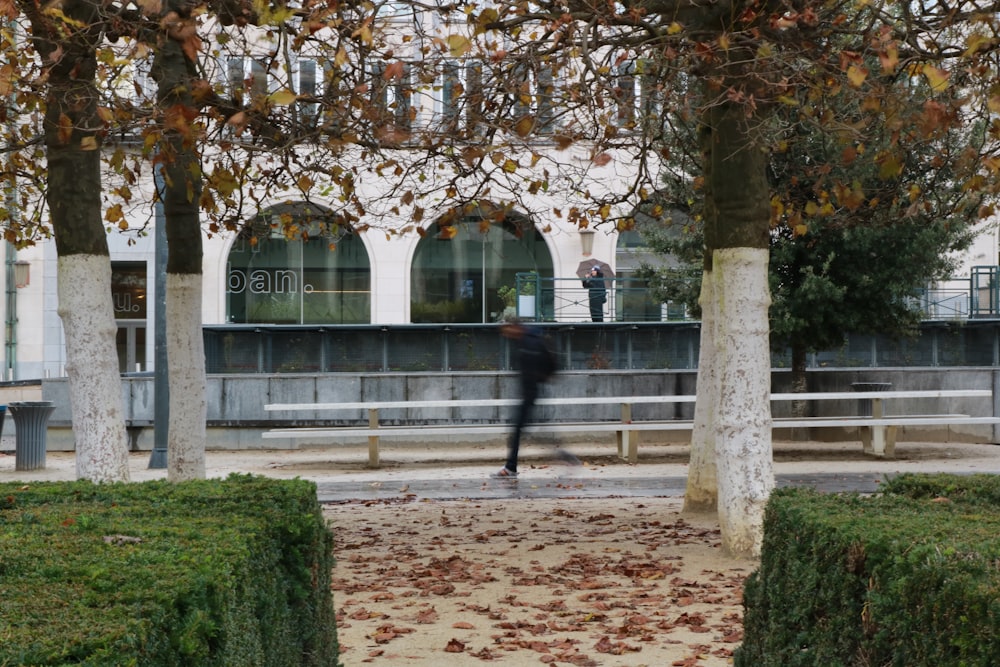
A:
(526, 306)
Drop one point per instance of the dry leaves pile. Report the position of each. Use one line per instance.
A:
(560, 582)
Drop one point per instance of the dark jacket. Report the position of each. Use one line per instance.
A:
(598, 292)
(533, 357)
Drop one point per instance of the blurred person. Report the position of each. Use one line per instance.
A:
(535, 363)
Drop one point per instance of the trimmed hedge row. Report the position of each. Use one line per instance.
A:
(968, 489)
(906, 578)
(231, 572)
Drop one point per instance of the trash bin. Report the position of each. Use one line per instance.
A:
(865, 404)
(30, 423)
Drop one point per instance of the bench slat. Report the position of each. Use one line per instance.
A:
(616, 400)
(458, 429)
(608, 427)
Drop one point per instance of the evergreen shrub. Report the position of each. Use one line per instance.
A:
(901, 579)
(231, 572)
(969, 489)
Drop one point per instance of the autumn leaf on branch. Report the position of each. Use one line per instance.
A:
(602, 159)
(282, 98)
(937, 78)
(458, 45)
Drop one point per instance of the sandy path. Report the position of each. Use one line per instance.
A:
(563, 582)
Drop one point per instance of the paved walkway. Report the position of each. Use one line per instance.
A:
(566, 486)
(452, 472)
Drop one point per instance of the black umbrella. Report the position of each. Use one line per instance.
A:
(586, 265)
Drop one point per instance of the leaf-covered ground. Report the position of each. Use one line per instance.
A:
(610, 581)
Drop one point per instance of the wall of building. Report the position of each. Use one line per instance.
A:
(37, 336)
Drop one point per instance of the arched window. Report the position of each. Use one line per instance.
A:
(296, 264)
(465, 268)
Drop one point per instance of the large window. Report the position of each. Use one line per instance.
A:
(318, 273)
(128, 294)
(464, 268)
(250, 79)
(637, 96)
(391, 92)
(528, 92)
(308, 89)
(472, 96)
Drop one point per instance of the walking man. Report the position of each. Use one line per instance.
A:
(536, 364)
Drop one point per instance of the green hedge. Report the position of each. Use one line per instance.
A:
(902, 580)
(224, 572)
(967, 489)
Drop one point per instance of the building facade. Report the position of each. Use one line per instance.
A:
(461, 272)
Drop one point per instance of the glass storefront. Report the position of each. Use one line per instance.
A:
(316, 273)
(465, 270)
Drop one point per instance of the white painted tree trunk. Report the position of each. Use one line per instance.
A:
(95, 387)
(701, 495)
(743, 420)
(186, 355)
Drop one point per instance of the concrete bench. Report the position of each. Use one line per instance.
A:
(878, 430)
(879, 427)
(625, 429)
(133, 429)
(625, 434)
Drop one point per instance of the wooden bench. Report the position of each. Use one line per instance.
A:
(878, 430)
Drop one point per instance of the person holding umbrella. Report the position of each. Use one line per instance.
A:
(598, 293)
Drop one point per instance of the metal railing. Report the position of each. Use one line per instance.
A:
(542, 299)
(944, 303)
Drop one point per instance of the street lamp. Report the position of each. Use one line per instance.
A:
(22, 273)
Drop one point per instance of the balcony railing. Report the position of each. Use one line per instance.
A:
(566, 300)
(544, 299)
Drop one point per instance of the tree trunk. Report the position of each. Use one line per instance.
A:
(800, 381)
(743, 422)
(186, 352)
(702, 492)
(701, 495)
(95, 387)
(737, 238)
(72, 141)
(183, 184)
